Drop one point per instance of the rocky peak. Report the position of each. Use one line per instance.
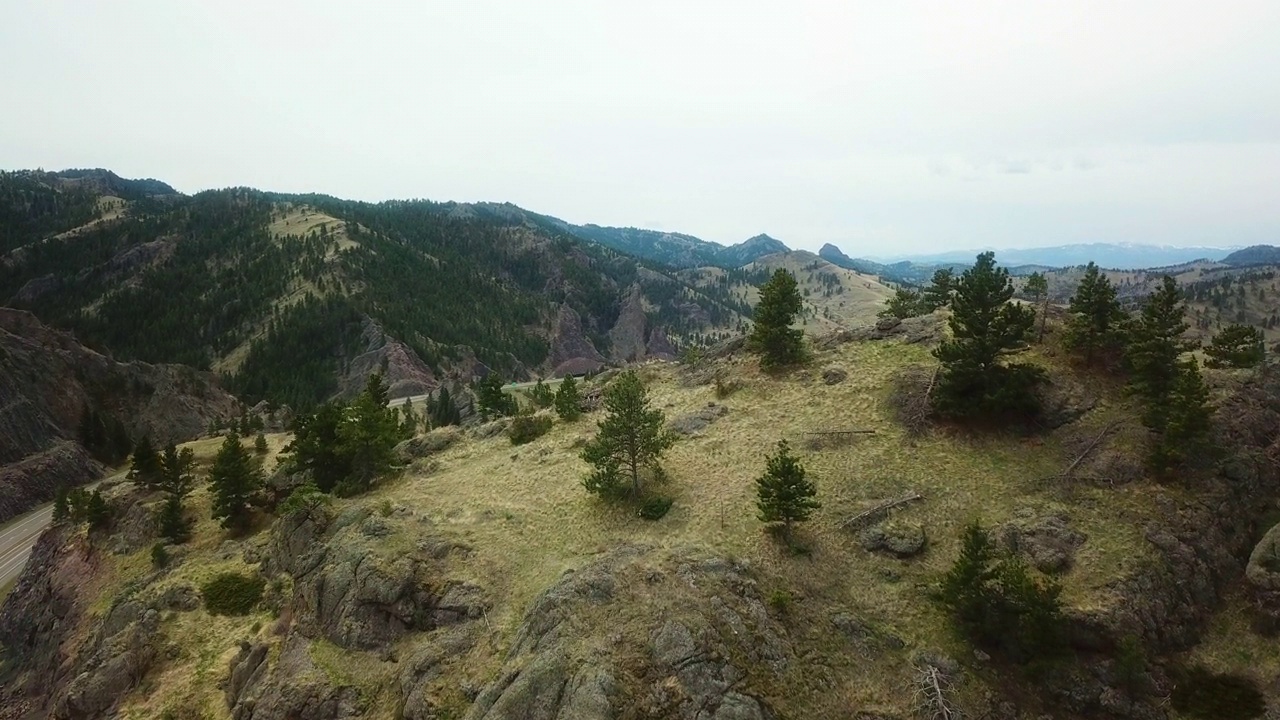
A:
(628, 333)
(571, 350)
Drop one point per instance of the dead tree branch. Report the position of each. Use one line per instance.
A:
(1066, 474)
(866, 517)
(932, 689)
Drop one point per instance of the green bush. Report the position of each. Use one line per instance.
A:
(527, 428)
(232, 594)
(1201, 693)
(780, 601)
(159, 556)
(655, 508)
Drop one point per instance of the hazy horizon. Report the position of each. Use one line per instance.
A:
(922, 127)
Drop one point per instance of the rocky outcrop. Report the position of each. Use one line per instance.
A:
(659, 346)
(349, 589)
(690, 613)
(571, 352)
(402, 370)
(290, 687)
(1048, 541)
(34, 479)
(694, 422)
(627, 338)
(1263, 569)
(48, 381)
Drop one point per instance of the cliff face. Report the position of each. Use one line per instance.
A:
(47, 383)
(402, 370)
(571, 352)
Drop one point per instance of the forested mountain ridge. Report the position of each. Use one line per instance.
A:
(281, 293)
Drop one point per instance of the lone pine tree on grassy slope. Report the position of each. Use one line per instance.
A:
(1236, 346)
(984, 325)
(145, 468)
(631, 439)
(783, 493)
(772, 336)
(233, 479)
(567, 401)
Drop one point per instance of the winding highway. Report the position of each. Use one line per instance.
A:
(17, 537)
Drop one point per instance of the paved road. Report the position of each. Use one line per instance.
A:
(18, 536)
(415, 399)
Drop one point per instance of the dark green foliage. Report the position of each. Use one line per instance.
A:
(441, 410)
(61, 506)
(260, 444)
(999, 605)
(493, 401)
(631, 439)
(905, 303)
(345, 448)
(176, 476)
(655, 508)
(316, 447)
(974, 383)
(1202, 693)
(171, 522)
(159, 556)
(783, 493)
(541, 395)
(96, 512)
(1096, 317)
(305, 500)
(1236, 346)
(367, 437)
(568, 402)
(527, 428)
(938, 294)
(234, 480)
(145, 468)
(1038, 289)
(1176, 400)
(772, 336)
(32, 209)
(77, 505)
(105, 437)
(1182, 422)
(780, 601)
(232, 593)
(409, 420)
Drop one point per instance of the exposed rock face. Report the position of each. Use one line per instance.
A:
(348, 590)
(926, 329)
(660, 346)
(694, 422)
(834, 375)
(1263, 570)
(434, 441)
(402, 370)
(683, 624)
(48, 380)
(628, 333)
(571, 352)
(901, 539)
(1049, 542)
(292, 687)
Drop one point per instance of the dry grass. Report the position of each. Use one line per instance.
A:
(525, 514)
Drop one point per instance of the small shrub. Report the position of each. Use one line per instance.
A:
(385, 509)
(780, 601)
(232, 594)
(527, 428)
(1201, 693)
(655, 508)
(159, 556)
(255, 627)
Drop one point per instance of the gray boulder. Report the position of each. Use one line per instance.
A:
(834, 375)
(695, 421)
(900, 539)
(1048, 541)
(1263, 570)
(291, 688)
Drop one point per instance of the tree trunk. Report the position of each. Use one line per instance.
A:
(1044, 315)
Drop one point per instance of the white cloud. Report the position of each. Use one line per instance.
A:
(928, 124)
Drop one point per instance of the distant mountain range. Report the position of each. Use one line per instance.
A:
(1118, 256)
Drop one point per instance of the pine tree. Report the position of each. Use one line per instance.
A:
(493, 401)
(631, 439)
(1185, 419)
(905, 303)
(176, 471)
(171, 522)
(61, 507)
(1038, 288)
(1155, 343)
(772, 336)
(96, 511)
(233, 480)
(938, 294)
(984, 324)
(316, 447)
(568, 402)
(260, 444)
(1095, 315)
(541, 395)
(145, 469)
(409, 425)
(783, 493)
(442, 410)
(1236, 346)
(367, 436)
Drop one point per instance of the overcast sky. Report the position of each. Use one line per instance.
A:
(883, 127)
